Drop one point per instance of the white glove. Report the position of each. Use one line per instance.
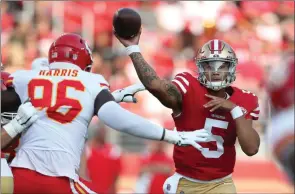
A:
(26, 116)
(127, 94)
(187, 138)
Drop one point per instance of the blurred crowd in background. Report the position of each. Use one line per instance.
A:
(260, 32)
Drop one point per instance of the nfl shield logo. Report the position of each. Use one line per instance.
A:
(168, 187)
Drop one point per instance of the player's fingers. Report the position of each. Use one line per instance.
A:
(210, 96)
(202, 134)
(209, 103)
(128, 99)
(212, 103)
(202, 131)
(136, 88)
(34, 118)
(195, 145)
(201, 139)
(215, 107)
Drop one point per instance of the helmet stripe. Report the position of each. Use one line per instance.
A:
(212, 47)
(215, 46)
(219, 46)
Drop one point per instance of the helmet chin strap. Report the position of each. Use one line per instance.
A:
(215, 85)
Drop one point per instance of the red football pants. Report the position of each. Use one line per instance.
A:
(29, 181)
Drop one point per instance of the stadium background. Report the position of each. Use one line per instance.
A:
(260, 32)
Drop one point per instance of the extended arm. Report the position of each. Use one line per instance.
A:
(122, 120)
(165, 91)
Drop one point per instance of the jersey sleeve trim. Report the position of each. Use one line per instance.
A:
(255, 113)
(182, 83)
(179, 84)
(183, 79)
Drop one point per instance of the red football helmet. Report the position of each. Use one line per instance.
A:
(5, 116)
(71, 48)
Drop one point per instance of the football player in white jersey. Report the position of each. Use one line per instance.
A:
(67, 97)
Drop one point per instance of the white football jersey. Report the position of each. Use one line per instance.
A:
(65, 98)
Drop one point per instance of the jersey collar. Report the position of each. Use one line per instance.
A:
(63, 65)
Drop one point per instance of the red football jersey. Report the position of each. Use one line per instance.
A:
(218, 158)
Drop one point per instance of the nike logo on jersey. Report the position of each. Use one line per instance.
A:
(218, 116)
(244, 110)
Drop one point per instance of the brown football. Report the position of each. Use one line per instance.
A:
(126, 23)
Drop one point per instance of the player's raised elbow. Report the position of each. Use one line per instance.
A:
(251, 151)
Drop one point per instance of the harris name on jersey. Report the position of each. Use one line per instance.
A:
(59, 72)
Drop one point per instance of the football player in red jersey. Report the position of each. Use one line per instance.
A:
(281, 131)
(207, 101)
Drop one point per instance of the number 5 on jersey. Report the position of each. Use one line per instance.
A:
(209, 124)
(59, 107)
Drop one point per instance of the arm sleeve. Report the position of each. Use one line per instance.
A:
(114, 116)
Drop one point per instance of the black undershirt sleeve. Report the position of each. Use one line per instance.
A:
(103, 97)
(10, 100)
